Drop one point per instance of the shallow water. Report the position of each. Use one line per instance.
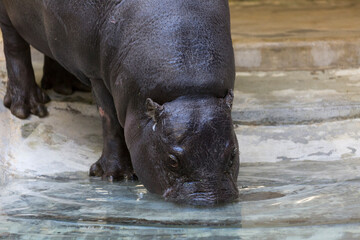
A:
(301, 198)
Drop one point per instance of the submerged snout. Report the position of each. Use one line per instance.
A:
(203, 193)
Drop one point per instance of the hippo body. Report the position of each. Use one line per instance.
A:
(162, 73)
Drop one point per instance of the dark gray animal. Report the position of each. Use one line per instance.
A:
(162, 73)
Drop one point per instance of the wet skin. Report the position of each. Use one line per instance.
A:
(162, 79)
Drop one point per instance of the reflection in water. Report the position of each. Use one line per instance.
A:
(259, 196)
(308, 199)
(74, 205)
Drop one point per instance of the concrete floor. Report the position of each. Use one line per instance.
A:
(284, 21)
(298, 131)
(287, 35)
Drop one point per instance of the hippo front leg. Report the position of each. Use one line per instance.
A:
(59, 79)
(115, 162)
(23, 96)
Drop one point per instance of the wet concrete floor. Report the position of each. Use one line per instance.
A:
(299, 179)
(299, 140)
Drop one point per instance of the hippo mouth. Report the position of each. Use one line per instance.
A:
(203, 193)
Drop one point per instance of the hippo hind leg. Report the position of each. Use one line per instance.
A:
(57, 78)
(23, 97)
(115, 162)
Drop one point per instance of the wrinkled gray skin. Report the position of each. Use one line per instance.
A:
(161, 72)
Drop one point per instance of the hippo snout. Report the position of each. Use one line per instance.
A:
(203, 193)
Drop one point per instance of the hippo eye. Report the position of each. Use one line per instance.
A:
(173, 161)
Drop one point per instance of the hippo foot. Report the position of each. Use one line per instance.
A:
(111, 172)
(22, 103)
(62, 83)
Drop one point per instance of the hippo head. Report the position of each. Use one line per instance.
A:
(189, 151)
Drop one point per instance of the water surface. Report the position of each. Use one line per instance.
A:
(302, 198)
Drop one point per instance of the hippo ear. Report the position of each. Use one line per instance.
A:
(153, 109)
(229, 98)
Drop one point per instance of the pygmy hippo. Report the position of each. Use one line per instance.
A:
(162, 73)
